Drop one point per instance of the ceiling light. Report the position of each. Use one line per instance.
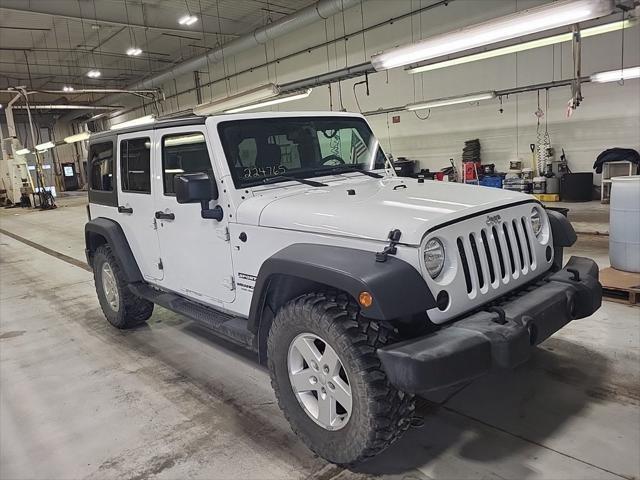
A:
(616, 75)
(274, 101)
(23, 151)
(136, 121)
(247, 97)
(542, 42)
(67, 88)
(93, 73)
(441, 102)
(533, 20)
(134, 51)
(78, 137)
(188, 20)
(45, 146)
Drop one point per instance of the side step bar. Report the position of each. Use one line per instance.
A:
(230, 327)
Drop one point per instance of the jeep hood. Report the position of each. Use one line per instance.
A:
(370, 208)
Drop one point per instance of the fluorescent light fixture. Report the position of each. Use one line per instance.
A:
(132, 123)
(247, 97)
(184, 140)
(542, 42)
(45, 146)
(134, 51)
(533, 20)
(616, 75)
(441, 102)
(23, 151)
(67, 88)
(274, 101)
(78, 137)
(187, 20)
(93, 73)
(173, 170)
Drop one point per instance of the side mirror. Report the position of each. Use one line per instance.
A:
(194, 188)
(198, 188)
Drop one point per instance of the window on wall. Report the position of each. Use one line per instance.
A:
(101, 162)
(135, 165)
(183, 153)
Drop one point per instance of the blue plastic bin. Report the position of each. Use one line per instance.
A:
(494, 181)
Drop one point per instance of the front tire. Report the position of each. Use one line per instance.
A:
(122, 308)
(329, 381)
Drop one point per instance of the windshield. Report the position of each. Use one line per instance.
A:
(260, 150)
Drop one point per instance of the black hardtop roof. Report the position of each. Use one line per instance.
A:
(166, 123)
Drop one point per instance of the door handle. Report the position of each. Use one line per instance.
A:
(165, 216)
(122, 209)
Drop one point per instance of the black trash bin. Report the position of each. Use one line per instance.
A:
(576, 187)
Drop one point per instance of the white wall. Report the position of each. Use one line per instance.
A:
(608, 117)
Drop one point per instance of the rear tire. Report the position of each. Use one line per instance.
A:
(122, 308)
(375, 414)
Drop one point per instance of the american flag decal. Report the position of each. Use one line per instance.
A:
(358, 148)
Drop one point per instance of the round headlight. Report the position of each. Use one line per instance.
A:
(434, 257)
(536, 221)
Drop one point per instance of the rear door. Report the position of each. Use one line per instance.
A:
(196, 252)
(136, 201)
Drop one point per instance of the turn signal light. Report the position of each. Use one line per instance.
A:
(365, 299)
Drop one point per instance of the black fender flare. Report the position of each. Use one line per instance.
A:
(111, 231)
(563, 236)
(397, 288)
(561, 229)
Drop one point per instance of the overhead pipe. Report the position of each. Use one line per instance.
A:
(498, 93)
(66, 107)
(321, 10)
(329, 77)
(97, 90)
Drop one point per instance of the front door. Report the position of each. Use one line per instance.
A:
(136, 202)
(196, 252)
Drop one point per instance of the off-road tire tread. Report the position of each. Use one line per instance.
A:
(391, 409)
(135, 310)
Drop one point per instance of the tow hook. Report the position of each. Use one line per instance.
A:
(502, 316)
(575, 274)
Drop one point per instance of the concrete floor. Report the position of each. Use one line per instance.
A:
(79, 399)
(587, 217)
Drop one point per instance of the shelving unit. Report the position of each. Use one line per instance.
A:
(621, 168)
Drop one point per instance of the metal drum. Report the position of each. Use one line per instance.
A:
(553, 185)
(624, 228)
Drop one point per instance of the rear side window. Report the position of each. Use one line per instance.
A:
(135, 165)
(101, 161)
(183, 153)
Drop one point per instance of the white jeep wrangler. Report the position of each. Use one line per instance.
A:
(284, 233)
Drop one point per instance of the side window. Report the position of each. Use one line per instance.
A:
(183, 153)
(135, 165)
(101, 166)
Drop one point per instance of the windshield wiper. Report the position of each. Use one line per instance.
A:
(304, 181)
(349, 170)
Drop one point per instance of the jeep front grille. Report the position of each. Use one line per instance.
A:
(495, 255)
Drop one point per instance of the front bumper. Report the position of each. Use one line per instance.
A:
(500, 336)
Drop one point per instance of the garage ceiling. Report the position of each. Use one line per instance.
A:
(46, 44)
